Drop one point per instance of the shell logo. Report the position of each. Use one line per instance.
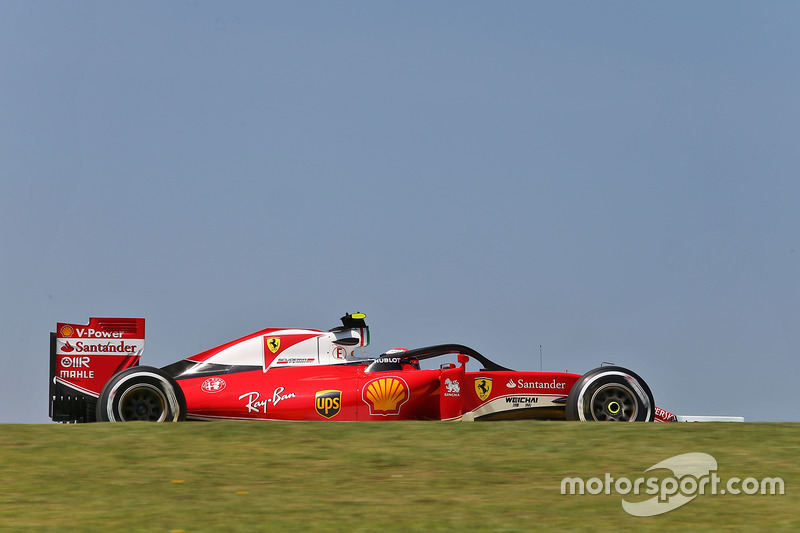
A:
(67, 331)
(385, 396)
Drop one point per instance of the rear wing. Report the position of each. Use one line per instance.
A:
(84, 357)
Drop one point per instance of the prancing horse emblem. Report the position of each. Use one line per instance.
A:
(274, 344)
(483, 387)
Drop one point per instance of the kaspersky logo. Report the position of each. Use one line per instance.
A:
(385, 396)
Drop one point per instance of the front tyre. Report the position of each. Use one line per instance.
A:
(610, 393)
(141, 393)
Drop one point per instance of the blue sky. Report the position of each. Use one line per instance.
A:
(613, 181)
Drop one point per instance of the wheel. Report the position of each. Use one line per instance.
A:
(141, 393)
(610, 393)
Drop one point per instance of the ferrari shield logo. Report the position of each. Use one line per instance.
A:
(274, 344)
(483, 387)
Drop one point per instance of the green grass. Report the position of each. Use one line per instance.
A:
(397, 476)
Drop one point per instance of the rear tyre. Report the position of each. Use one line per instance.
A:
(141, 393)
(610, 394)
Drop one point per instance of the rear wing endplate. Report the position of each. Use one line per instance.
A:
(84, 357)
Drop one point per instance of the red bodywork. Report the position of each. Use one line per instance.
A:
(84, 357)
(302, 374)
(349, 392)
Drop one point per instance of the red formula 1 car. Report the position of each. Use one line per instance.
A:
(308, 374)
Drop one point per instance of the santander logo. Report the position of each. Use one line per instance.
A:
(535, 384)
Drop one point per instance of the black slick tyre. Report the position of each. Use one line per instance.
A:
(610, 393)
(141, 393)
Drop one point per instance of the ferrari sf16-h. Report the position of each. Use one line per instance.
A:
(309, 374)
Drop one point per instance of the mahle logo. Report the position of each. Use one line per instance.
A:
(693, 474)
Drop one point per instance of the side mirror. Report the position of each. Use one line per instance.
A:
(463, 359)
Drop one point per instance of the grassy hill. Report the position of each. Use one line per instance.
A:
(396, 476)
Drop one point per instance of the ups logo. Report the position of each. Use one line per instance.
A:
(328, 403)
